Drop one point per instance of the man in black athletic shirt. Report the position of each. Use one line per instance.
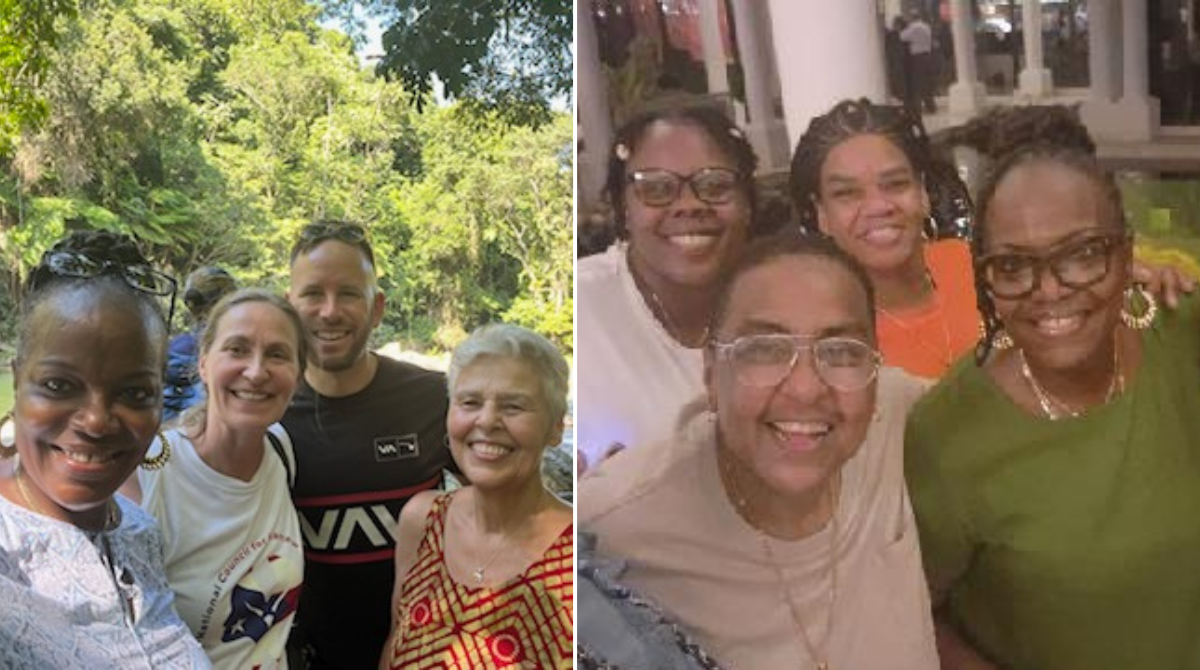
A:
(369, 432)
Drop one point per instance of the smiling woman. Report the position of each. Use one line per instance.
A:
(224, 489)
(504, 543)
(82, 578)
(681, 186)
(781, 495)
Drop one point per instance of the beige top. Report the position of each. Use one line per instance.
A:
(662, 509)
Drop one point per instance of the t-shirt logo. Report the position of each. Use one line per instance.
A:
(397, 447)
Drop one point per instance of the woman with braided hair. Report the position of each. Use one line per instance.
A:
(1055, 482)
(681, 186)
(865, 175)
(81, 573)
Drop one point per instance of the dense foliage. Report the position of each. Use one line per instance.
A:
(508, 57)
(214, 129)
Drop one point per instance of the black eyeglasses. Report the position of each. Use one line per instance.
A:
(658, 187)
(843, 363)
(346, 232)
(1077, 265)
(139, 277)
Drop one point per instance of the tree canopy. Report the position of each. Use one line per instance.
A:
(212, 130)
(507, 57)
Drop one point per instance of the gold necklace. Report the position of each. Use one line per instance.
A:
(659, 310)
(110, 516)
(945, 355)
(1055, 409)
(785, 587)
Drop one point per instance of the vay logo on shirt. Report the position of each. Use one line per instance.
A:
(396, 447)
(252, 612)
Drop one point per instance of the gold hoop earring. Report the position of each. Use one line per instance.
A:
(7, 449)
(164, 454)
(1001, 340)
(1149, 310)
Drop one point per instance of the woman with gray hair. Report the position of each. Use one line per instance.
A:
(501, 547)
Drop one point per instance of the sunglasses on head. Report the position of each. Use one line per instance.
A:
(346, 232)
(140, 277)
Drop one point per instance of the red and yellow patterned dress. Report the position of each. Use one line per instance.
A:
(524, 623)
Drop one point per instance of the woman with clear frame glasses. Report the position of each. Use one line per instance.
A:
(1055, 482)
(773, 529)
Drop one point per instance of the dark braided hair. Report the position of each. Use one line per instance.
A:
(850, 118)
(1074, 157)
(711, 121)
(1003, 130)
(100, 246)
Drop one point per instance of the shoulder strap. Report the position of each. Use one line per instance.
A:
(287, 466)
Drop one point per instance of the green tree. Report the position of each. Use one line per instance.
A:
(508, 57)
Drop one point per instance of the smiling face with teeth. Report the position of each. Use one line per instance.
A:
(250, 367)
(88, 397)
(684, 244)
(333, 288)
(872, 202)
(794, 437)
(500, 423)
(1037, 208)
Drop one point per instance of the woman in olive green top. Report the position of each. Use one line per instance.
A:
(1057, 482)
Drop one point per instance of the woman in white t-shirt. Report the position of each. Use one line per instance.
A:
(233, 549)
(681, 185)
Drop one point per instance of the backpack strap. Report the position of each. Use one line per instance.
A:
(277, 445)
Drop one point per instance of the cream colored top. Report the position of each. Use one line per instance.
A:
(664, 511)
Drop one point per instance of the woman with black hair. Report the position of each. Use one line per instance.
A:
(1055, 481)
(81, 574)
(681, 186)
(863, 174)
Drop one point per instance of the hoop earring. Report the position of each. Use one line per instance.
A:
(1001, 340)
(929, 230)
(164, 455)
(1149, 311)
(7, 450)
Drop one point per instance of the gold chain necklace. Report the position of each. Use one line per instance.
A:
(659, 310)
(945, 355)
(820, 660)
(1055, 409)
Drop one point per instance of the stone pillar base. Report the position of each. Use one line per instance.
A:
(1036, 83)
(966, 99)
(1127, 120)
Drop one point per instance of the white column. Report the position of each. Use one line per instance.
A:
(826, 50)
(1101, 38)
(1035, 79)
(966, 95)
(591, 108)
(1134, 32)
(1134, 117)
(764, 129)
(715, 58)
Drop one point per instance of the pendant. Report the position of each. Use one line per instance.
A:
(822, 666)
(478, 575)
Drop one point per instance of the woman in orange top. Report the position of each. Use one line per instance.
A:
(484, 573)
(864, 175)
